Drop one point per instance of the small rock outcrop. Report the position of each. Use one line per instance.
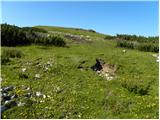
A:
(104, 69)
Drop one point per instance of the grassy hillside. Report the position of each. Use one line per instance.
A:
(75, 31)
(65, 91)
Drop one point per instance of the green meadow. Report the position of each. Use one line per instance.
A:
(70, 92)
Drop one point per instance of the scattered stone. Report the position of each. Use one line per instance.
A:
(9, 88)
(27, 88)
(124, 51)
(79, 116)
(155, 55)
(48, 96)
(39, 94)
(104, 70)
(6, 102)
(44, 96)
(37, 76)
(21, 104)
(46, 68)
(87, 36)
(4, 94)
(14, 96)
(24, 69)
(157, 59)
(41, 101)
(49, 63)
(1, 90)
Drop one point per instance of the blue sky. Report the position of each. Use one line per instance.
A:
(140, 18)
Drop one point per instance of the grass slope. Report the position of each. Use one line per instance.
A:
(75, 31)
(76, 93)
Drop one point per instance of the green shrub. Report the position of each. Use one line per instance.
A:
(11, 53)
(140, 39)
(147, 47)
(51, 40)
(125, 44)
(108, 37)
(13, 36)
(90, 30)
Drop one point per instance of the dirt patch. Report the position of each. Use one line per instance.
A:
(104, 69)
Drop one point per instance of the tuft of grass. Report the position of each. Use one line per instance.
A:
(8, 53)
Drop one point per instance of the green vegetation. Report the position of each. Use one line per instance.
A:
(8, 53)
(14, 36)
(71, 92)
(75, 31)
(138, 38)
(147, 47)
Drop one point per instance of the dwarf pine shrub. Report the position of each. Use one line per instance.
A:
(13, 36)
(147, 47)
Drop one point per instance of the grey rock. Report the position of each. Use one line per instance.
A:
(4, 94)
(37, 76)
(6, 102)
(21, 104)
(9, 88)
(14, 96)
(24, 69)
(39, 94)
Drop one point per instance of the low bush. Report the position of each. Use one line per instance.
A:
(108, 37)
(90, 30)
(11, 53)
(125, 44)
(51, 40)
(14, 36)
(140, 39)
(147, 47)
